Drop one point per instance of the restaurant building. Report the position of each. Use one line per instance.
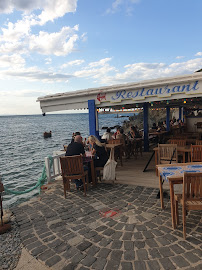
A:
(180, 92)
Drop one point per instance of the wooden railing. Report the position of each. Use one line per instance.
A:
(55, 171)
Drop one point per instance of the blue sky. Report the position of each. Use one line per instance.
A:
(52, 46)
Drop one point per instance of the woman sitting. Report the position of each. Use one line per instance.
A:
(99, 151)
(134, 133)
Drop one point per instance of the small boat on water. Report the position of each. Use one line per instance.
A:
(47, 134)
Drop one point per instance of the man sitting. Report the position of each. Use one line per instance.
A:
(75, 147)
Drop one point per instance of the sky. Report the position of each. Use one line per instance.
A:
(57, 46)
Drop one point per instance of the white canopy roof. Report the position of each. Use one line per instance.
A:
(172, 89)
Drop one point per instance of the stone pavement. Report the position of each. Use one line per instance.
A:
(113, 227)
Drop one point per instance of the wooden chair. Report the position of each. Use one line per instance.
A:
(178, 142)
(72, 168)
(167, 153)
(191, 198)
(198, 142)
(196, 153)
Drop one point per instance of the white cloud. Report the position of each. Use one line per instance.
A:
(84, 37)
(35, 74)
(56, 8)
(145, 71)
(17, 38)
(198, 54)
(60, 43)
(101, 62)
(11, 60)
(51, 9)
(15, 31)
(73, 63)
(96, 70)
(180, 57)
(118, 5)
(48, 61)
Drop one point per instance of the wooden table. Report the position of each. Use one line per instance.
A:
(112, 147)
(174, 174)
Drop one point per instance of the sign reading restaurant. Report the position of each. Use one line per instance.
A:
(193, 88)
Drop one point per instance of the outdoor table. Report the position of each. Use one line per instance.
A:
(174, 174)
(111, 147)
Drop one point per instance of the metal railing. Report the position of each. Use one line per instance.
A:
(55, 171)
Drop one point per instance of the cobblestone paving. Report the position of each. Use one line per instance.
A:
(72, 233)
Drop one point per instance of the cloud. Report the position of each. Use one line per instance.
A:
(17, 37)
(84, 37)
(118, 5)
(7, 61)
(50, 9)
(59, 44)
(96, 70)
(56, 8)
(48, 61)
(35, 74)
(101, 62)
(73, 63)
(15, 31)
(180, 57)
(198, 54)
(146, 71)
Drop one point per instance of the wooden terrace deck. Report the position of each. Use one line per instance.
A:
(131, 173)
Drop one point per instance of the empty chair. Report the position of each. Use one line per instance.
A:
(167, 153)
(191, 197)
(72, 168)
(178, 142)
(196, 153)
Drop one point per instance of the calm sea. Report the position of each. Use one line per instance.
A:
(23, 147)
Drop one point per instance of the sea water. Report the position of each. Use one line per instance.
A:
(23, 147)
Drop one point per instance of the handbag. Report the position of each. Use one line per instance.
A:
(109, 170)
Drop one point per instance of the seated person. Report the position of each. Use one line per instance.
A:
(117, 131)
(99, 151)
(76, 148)
(107, 135)
(134, 133)
(164, 125)
(154, 127)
